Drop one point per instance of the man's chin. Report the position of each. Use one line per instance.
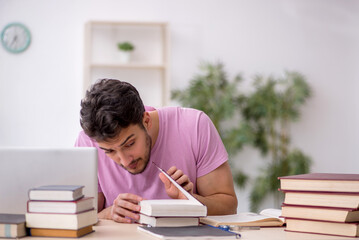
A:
(137, 170)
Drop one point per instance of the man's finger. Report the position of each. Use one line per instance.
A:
(165, 180)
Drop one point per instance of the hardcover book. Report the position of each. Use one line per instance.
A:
(322, 182)
(83, 204)
(12, 225)
(194, 232)
(322, 227)
(46, 232)
(320, 213)
(168, 221)
(56, 192)
(267, 217)
(189, 207)
(329, 199)
(61, 220)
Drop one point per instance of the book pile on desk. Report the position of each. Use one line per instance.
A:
(60, 211)
(172, 212)
(324, 203)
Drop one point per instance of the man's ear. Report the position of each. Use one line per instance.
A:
(147, 121)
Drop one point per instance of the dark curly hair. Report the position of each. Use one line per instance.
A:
(109, 106)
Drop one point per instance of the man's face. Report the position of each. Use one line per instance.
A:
(130, 149)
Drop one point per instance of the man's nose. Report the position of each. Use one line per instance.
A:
(124, 159)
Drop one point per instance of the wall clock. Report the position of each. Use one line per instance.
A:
(15, 37)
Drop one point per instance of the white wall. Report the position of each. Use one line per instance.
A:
(40, 89)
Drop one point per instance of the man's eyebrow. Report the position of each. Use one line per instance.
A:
(124, 142)
(105, 149)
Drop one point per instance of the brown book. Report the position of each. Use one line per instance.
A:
(322, 182)
(322, 227)
(320, 213)
(45, 232)
(12, 225)
(322, 199)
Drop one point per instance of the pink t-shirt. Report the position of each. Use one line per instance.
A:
(187, 139)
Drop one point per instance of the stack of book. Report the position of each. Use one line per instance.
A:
(323, 203)
(172, 212)
(12, 225)
(60, 211)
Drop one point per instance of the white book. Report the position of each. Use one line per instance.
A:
(168, 221)
(267, 217)
(77, 206)
(61, 221)
(189, 207)
(56, 192)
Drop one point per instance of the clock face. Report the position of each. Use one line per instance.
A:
(15, 37)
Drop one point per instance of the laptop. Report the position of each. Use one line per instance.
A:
(24, 168)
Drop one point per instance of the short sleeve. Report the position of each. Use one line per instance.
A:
(211, 150)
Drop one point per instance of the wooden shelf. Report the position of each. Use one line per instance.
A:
(148, 70)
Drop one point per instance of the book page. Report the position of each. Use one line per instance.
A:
(187, 194)
(272, 212)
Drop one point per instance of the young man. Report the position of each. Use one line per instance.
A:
(182, 141)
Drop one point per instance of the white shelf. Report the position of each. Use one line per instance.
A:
(129, 66)
(148, 67)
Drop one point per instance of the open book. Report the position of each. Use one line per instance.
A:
(266, 218)
(189, 207)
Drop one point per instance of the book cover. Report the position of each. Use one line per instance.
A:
(12, 225)
(322, 227)
(56, 192)
(322, 199)
(194, 232)
(61, 220)
(168, 221)
(320, 213)
(246, 219)
(327, 182)
(189, 207)
(76, 206)
(45, 232)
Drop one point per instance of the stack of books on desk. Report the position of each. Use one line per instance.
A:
(60, 211)
(172, 212)
(324, 203)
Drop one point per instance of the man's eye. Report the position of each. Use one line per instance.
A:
(109, 151)
(130, 144)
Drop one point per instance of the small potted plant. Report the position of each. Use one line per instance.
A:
(126, 48)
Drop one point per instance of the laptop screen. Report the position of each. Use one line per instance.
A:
(24, 168)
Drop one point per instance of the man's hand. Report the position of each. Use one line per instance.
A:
(181, 179)
(125, 209)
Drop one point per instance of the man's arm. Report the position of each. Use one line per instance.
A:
(216, 191)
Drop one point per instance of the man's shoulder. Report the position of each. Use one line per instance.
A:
(177, 110)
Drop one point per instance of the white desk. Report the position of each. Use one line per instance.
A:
(110, 230)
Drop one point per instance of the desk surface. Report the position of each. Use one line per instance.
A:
(110, 230)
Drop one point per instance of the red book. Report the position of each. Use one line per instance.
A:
(321, 182)
(320, 213)
(322, 199)
(322, 227)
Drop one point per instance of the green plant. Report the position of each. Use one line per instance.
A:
(260, 118)
(125, 46)
(268, 111)
(212, 92)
